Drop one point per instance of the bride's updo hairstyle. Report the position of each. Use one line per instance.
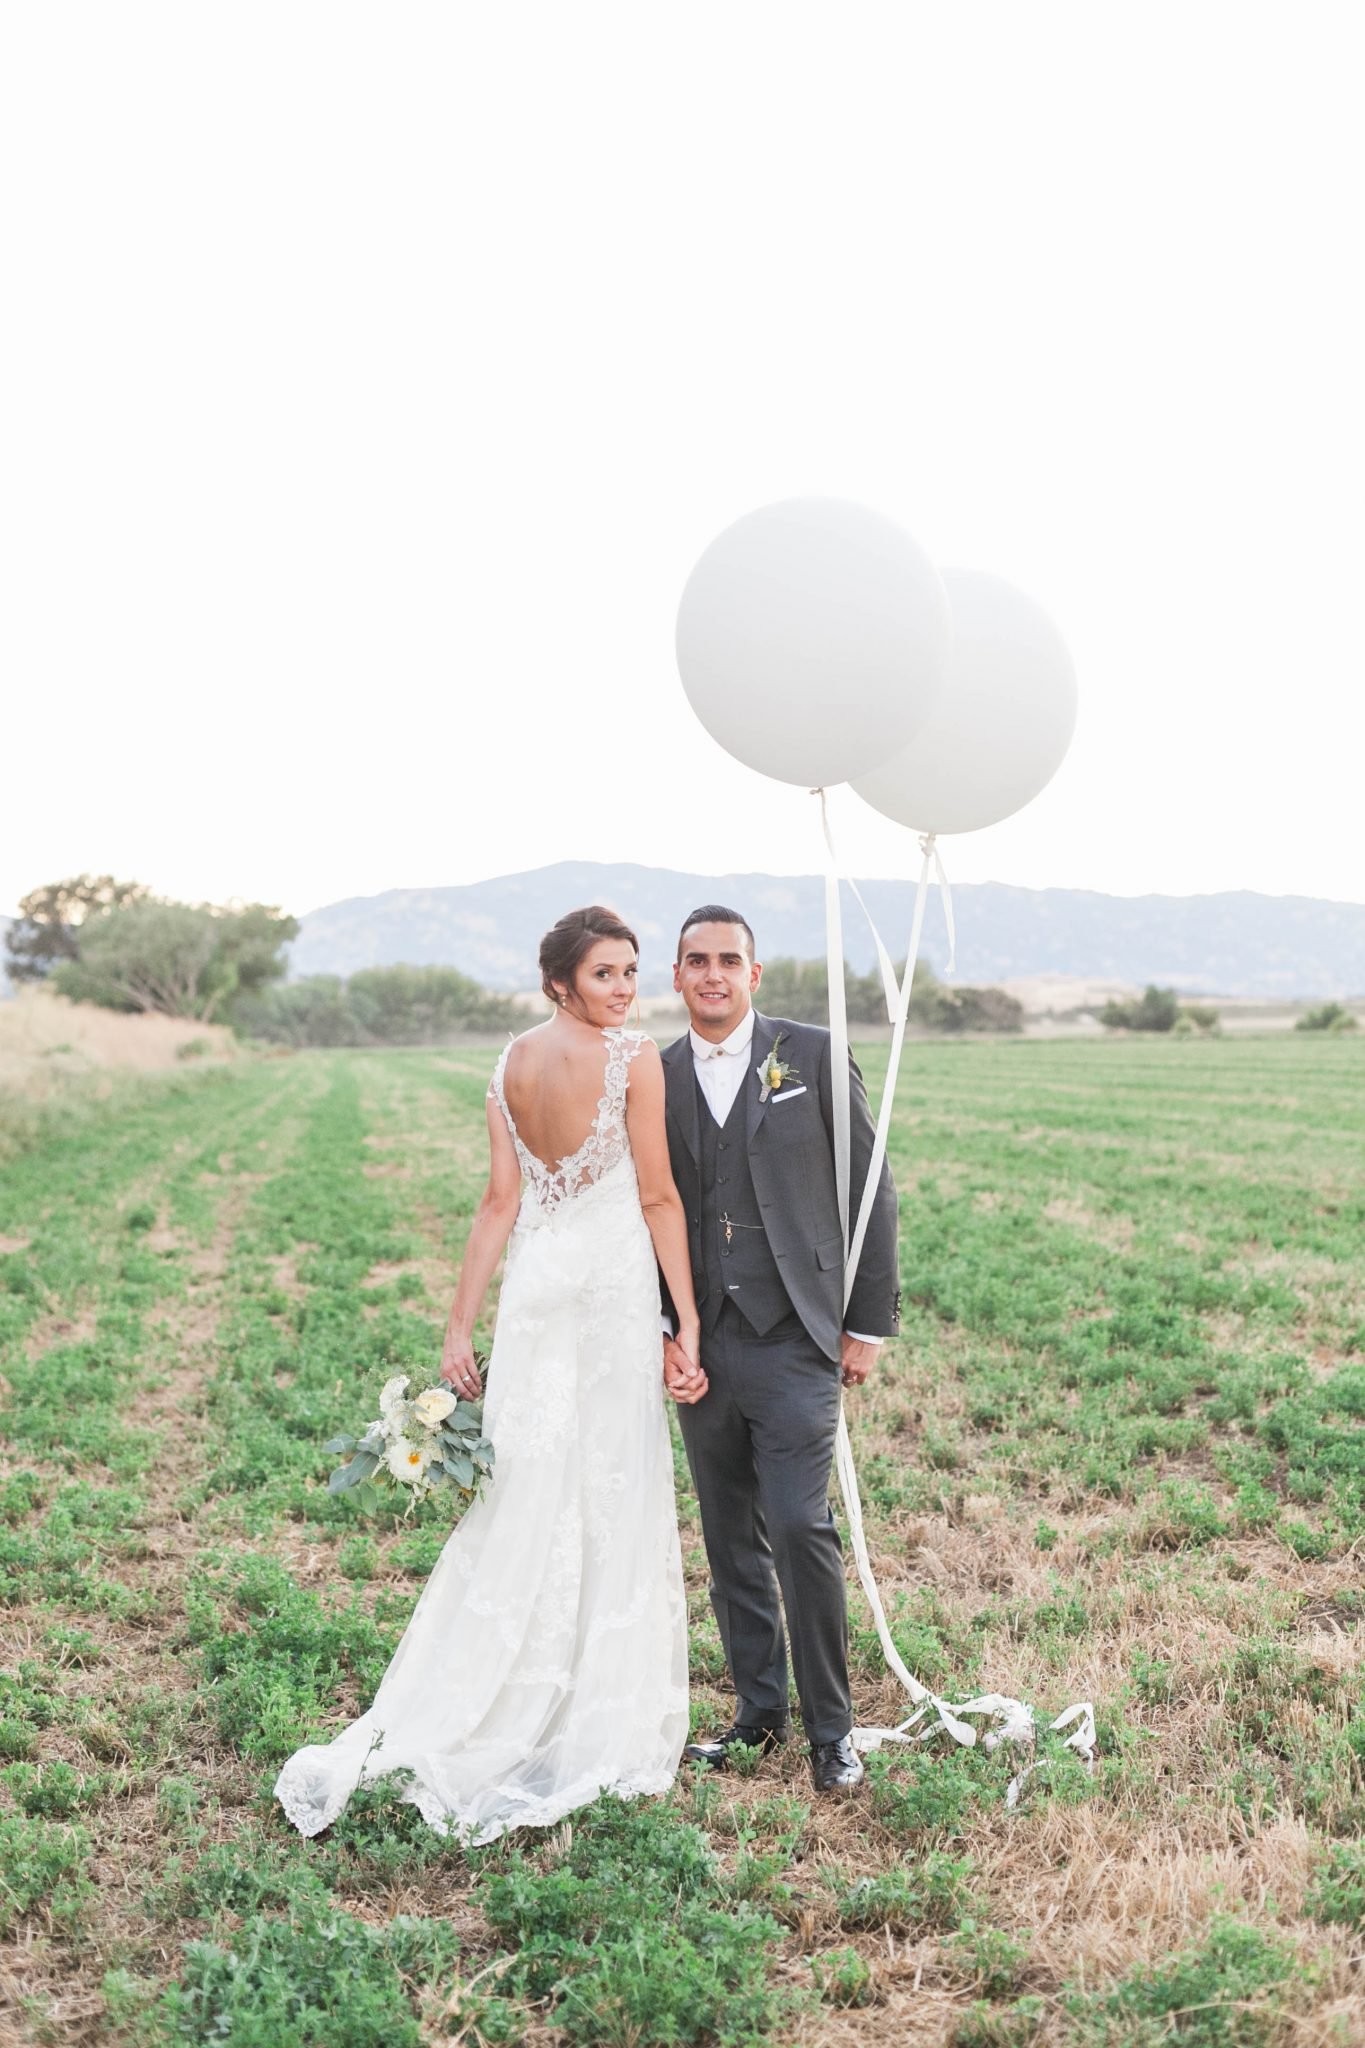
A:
(572, 939)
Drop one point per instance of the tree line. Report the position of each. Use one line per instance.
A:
(799, 989)
(99, 940)
(1159, 1009)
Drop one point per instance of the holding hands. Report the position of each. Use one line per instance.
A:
(684, 1379)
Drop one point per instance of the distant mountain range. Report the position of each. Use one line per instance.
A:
(1234, 944)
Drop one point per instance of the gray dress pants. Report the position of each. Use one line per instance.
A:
(760, 1444)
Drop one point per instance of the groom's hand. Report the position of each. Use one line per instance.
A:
(857, 1359)
(683, 1380)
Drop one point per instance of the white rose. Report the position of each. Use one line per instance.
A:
(432, 1407)
(392, 1407)
(407, 1461)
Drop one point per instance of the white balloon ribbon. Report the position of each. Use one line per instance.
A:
(1011, 1720)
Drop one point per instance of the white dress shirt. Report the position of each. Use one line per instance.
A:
(720, 1071)
(721, 1068)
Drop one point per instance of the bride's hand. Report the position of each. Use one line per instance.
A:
(683, 1376)
(459, 1370)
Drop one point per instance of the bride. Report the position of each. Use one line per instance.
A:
(546, 1661)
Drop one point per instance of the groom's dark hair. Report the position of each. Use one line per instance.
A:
(717, 913)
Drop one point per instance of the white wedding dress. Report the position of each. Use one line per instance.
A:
(546, 1661)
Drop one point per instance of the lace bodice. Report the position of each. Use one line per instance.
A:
(606, 1143)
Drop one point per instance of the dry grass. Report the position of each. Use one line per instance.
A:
(43, 1037)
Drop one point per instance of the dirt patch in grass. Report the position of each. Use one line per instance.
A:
(73, 1326)
(284, 1273)
(1115, 1232)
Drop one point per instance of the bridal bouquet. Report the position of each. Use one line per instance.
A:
(422, 1444)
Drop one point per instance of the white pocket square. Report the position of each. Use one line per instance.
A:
(789, 1094)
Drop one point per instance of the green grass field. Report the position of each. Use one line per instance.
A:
(1118, 1453)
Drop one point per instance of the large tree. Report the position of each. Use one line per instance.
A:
(47, 929)
(182, 959)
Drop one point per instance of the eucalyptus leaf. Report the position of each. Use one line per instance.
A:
(362, 1465)
(339, 1446)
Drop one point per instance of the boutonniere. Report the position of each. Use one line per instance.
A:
(772, 1071)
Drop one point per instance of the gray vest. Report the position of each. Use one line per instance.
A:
(736, 1260)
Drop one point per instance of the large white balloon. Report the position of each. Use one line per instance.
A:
(1002, 726)
(813, 639)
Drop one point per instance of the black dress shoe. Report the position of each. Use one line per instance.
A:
(835, 1766)
(763, 1737)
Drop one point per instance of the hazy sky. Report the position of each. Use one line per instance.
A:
(374, 375)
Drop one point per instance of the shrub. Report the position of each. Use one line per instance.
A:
(275, 1682)
(929, 1894)
(378, 1006)
(322, 1976)
(54, 1792)
(1327, 1017)
(1181, 1513)
(990, 1957)
(381, 1834)
(1337, 1890)
(941, 1008)
(1225, 1991)
(16, 1738)
(1156, 1009)
(694, 1970)
(929, 1795)
(844, 1979)
(39, 1860)
(800, 989)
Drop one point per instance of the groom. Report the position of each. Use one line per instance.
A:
(753, 1158)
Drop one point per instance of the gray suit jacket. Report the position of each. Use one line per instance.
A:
(791, 1161)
